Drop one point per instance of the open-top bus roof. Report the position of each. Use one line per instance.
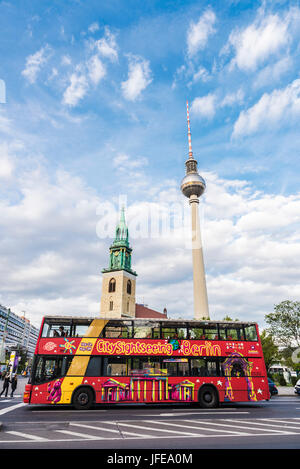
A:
(82, 319)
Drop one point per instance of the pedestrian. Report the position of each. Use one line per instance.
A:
(14, 382)
(5, 384)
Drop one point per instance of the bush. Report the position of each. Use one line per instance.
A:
(294, 380)
(281, 381)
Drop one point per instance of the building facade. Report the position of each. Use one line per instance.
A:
(16, 332)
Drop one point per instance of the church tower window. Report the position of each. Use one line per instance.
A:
(112, 285)
(129, 287)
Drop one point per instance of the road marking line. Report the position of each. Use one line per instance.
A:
(26, 435)
(264, 424)
(283, 421)
(199, 413)
(155, 429)
(150, 437)
(240, 426)
(92, 427)
(199, 428)
(11, 408)
(81, 435)
(138, 435)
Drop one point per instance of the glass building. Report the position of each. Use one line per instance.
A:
(17, 332)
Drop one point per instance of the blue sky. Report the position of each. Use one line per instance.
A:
(95, 109)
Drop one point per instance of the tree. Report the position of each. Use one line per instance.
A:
(284, 323)
(228, 318)
(270, 350)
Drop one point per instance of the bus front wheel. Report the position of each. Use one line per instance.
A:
(208, 397)
(83, 399)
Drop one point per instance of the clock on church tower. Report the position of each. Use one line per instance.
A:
(118, 284)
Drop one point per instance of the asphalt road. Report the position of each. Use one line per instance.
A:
(264, 425)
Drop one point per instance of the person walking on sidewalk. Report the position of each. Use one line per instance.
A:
(5, 384)
(14, 382)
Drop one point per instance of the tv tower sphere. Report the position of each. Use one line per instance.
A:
(192, 184)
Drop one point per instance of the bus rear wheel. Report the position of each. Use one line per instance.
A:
(208, 397)
(83, 399)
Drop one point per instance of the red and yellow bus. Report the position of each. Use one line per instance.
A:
(86, 361)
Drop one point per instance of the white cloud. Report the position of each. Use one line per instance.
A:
(139, 77)
(279, 106)
(6, 163)
(91, 70)
(204, 106)
(93, 27)
(107, 46)
(76, 90)
(125, 162)
(198, 33)
(272, 73)
(96, 69)
(232, 98)
(201, 74)
(35, 62)
(265, 37)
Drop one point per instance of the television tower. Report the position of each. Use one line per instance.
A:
(193, 186)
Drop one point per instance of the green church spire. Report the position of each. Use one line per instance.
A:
(120, 251)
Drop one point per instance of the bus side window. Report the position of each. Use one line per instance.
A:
(94, 366)
(211, 333)
(250, 332)
(46, 330)
(222, 332)
(197, 333)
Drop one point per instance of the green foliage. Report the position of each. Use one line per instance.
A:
(228, 318)
(284, 323)
(294, 380)
(282, 381)
(270, 350)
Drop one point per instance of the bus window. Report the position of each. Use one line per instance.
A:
(211, 368)
(46, 330)
(146, 330)
(182, 332)
(146, 365)
(197, 333)
(56, 328)
(169, 333)
(231, 332)
(171, 368)
(118, 330)
(80, 330)
(211, 333)
(49, 368)
(183, 368)
(250, 332)
(143, 330)
(204, 367)
(94, 367)
(115, 366)
(198, 367)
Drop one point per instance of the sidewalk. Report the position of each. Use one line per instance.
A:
(286, 391)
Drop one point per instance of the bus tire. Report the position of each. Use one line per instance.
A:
(83, 398)
(208, 397)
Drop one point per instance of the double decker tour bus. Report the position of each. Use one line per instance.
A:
(85, 361)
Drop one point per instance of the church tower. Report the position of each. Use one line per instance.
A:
(119, 280)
